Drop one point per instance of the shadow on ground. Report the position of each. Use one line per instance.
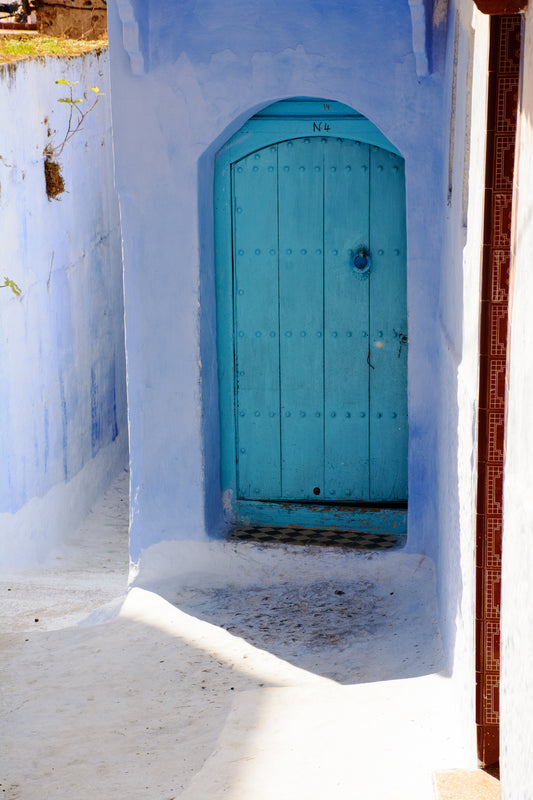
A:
(370, 622)
(124, 709)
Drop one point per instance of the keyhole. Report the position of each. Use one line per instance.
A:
(360, 261)
(316, 490)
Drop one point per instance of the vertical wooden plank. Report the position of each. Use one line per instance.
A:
(256, 325)
(388, 334)
(346, 295)
(301, 317)
(225, 332)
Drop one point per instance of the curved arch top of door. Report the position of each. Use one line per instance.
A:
(312, 321)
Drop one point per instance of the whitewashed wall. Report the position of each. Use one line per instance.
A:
(516, 687)
(457, 320)
(62, 365)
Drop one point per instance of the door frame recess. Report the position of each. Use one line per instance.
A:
(288, 119)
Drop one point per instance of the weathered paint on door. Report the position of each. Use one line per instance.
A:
(318, 350)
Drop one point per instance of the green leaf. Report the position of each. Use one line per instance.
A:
(8, 283)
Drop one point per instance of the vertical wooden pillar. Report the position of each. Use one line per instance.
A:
(504, 63)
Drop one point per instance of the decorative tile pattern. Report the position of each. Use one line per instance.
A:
(504, 63)
(508, 47)
(501, 217)
(496, 421)
(494, 489)
(491, 594)
(496, 398)
(314, 536)
(491, 646)
(492, 550)
(491, 698)
(506, 104)
(500, 276)
(498, 329)
(503, 167)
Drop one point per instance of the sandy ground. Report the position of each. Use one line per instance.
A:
(299, 675)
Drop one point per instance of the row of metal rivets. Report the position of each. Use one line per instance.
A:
(318, 414)
(333, 168)
(272, 252)
(332, 492)
(304, 252)
(355, 142)
(318, 168)
(303, 334)
(374, 148)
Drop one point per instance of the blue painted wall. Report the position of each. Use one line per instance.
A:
(203, 68)
(62, 364)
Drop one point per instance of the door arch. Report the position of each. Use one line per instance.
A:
(311, 320)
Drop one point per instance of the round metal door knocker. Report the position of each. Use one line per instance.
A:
(360, 263)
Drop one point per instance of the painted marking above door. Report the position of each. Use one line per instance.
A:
(312, 327)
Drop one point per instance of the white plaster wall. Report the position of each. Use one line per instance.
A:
(516, 686)
(458, 353)
(62, 367)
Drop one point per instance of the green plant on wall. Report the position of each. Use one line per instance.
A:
(55, 184)
(10, 284)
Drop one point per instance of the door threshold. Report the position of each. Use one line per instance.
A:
(316, 536)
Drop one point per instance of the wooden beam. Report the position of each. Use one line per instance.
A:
(501, 6)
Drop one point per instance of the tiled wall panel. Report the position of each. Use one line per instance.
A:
(504, 63)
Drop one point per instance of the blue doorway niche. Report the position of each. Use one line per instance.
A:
(310, 246)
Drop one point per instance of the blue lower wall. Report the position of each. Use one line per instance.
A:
(62, 364)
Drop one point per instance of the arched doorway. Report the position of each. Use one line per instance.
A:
(312, 321)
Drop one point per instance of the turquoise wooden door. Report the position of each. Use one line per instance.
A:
(319, 331)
